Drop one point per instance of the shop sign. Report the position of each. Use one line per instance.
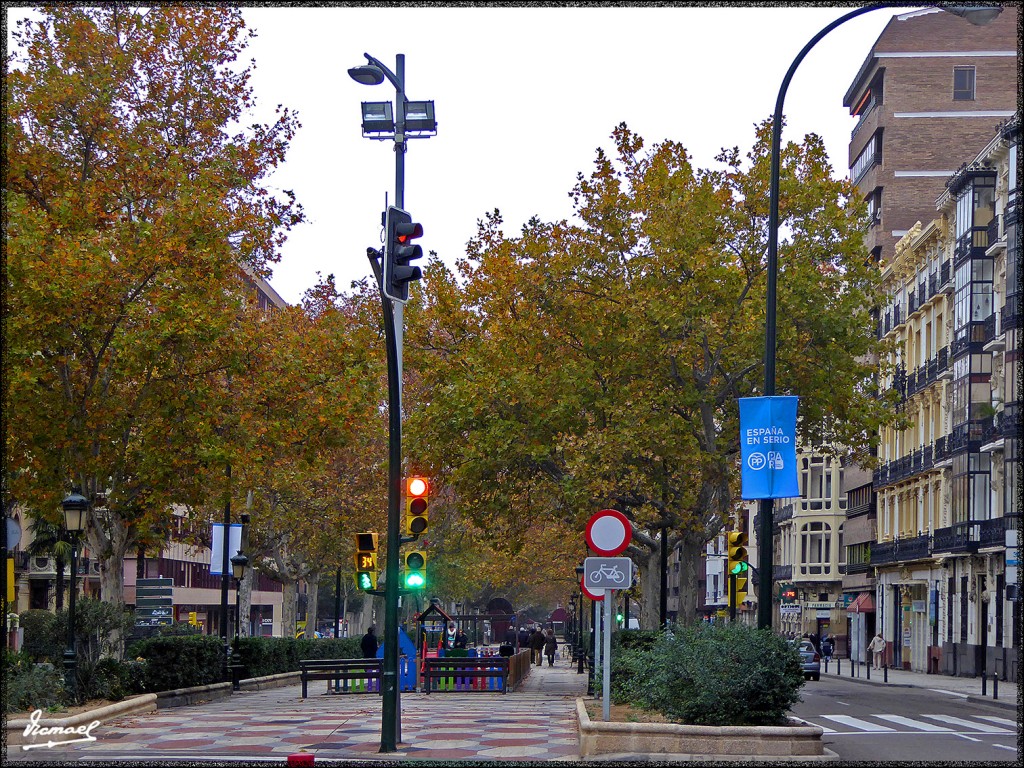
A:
(823, 613)
(789, 610)
(818, 604)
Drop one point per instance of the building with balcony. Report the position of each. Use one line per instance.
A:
(927, 96)
(947, 485)
(810, 552)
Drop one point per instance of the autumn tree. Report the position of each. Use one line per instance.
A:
(132, 199)
(598, 363)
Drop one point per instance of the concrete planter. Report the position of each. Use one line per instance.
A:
(700, 742)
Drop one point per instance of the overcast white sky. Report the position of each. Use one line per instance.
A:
(523, 98)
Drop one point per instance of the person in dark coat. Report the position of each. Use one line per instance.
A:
(827, 647)
(369, 643)
(524, 638)
(461, 639)
(537, 647)
(550, 646)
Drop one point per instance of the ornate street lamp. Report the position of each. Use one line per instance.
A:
(76, 509)
(238, 565)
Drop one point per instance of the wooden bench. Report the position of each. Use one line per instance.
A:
(484, 673)
(364, 673)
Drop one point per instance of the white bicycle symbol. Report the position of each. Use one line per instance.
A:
(610, 572)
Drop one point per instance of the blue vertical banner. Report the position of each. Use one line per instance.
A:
(768, 447)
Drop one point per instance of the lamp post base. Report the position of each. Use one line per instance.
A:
(71, 673)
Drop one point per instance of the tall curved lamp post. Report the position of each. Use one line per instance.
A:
(975, 14)
(76, 509)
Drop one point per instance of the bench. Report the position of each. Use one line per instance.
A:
(365, 674)
(487, 673)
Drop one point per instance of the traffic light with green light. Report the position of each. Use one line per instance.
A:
(415, 570)
(366, 561)
(737, 566)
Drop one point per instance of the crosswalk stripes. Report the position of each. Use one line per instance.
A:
(861, 725)
(948, 724)
(982, 727)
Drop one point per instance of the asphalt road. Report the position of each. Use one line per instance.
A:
(887, 723)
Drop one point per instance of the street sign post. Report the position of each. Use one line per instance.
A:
(606, 574)
(608, 532)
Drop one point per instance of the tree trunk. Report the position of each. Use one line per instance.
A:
(289, 598)
(245, 601)
(312, 598)
(690, 552)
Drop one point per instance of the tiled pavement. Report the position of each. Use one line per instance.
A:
(535, 723)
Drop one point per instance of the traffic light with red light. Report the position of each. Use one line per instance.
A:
(399, 251)
(417, 497)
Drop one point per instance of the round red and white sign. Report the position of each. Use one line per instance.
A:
(609, 532)
(596, 596)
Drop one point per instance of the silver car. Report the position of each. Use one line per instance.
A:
(810, 660)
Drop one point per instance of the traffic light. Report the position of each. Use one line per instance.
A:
(399, 250)
(415, 569)
(417, 492)
(737, 565)
(366, 561)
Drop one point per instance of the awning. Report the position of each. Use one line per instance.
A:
(865, 603)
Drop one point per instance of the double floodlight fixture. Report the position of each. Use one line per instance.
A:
(417, 118)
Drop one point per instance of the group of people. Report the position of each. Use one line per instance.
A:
(541, 642)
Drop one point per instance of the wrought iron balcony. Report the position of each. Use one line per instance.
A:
(1011, 421)
(945, 277)
(992, 532)
(782, 572)
(959, 537)
(883, 552)
(1010, 313)
(993, 230)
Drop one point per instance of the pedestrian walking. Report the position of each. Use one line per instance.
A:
(369, 643)
(550, 646)
(524, 638)
(537, 646)
(877, 648)
(828, 645)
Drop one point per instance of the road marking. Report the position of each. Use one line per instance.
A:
(950, 693)
(1003, 746)
(966, 724)
(856, 722)
(965, 736)
(900, 720)
(1000, 720)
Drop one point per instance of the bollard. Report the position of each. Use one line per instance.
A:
(867, 671)
(839, 668)
(995, 686)
(885, 673)
(826, 665)
(300, 758)
(984, 684)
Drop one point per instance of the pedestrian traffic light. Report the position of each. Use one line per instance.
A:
(399, 250)
(738, 568)
(415, 569)
(366, 561)
(417, 493)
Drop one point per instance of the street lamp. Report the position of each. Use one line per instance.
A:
(375, 117)
(977, 15)
(238, 564)
(76, 508)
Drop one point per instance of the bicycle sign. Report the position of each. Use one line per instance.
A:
(607, 572)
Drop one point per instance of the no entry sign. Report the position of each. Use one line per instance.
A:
(609, 532)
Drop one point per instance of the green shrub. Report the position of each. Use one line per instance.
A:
(711, 674)
(180, 662)
(273, 655)
(44, 640)
(29, 686)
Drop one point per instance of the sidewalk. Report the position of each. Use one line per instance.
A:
(537, 722)
(966, 687)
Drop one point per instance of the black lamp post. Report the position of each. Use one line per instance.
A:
(977, 15)
(76, 508)
(410, 119)
(238, 564)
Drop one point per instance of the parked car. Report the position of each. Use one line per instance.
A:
(810, 660)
